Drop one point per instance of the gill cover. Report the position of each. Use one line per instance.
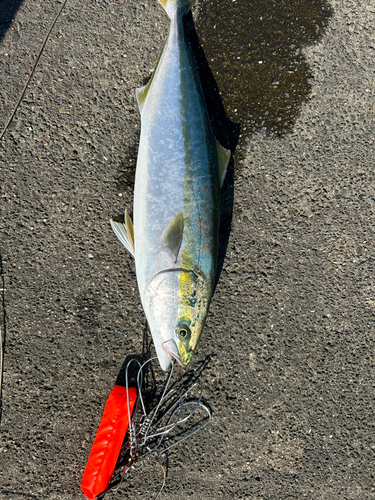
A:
(176, 303)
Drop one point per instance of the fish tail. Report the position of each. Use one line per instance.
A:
(171, 7)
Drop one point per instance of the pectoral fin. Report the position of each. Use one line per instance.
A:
(172, 236)
(125, 233)
(223, 157)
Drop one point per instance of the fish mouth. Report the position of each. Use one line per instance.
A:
(172, 349)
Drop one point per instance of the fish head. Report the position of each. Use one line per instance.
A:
(176, 302)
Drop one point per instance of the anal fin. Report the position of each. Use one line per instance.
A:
(125, 233)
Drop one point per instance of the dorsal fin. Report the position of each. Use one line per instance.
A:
(172, 236)
(223, 157)
(141, 92)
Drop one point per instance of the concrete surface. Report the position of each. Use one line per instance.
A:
(289, 341)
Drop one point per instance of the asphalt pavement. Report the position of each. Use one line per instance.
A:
(286, 360)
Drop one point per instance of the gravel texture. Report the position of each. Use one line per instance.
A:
(288, 348)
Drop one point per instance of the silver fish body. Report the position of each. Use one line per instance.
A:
(180, 169)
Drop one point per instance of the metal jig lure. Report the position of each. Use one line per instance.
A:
(148, 429)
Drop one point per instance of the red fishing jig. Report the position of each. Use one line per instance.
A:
(127, 414)
(108, 441)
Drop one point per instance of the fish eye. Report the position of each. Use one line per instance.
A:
(183, 332)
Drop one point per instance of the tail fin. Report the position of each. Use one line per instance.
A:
(171, 7)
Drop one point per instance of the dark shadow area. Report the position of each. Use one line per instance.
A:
(191, 375)
(3, 331)
(8, 9)
(150, 388)
(126, 171)
(255, 49)
(225, 131)
(149, 380)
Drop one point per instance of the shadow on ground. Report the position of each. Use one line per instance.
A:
(255, 51)
(8, 10)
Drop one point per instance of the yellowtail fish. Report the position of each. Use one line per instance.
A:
(179, 174)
